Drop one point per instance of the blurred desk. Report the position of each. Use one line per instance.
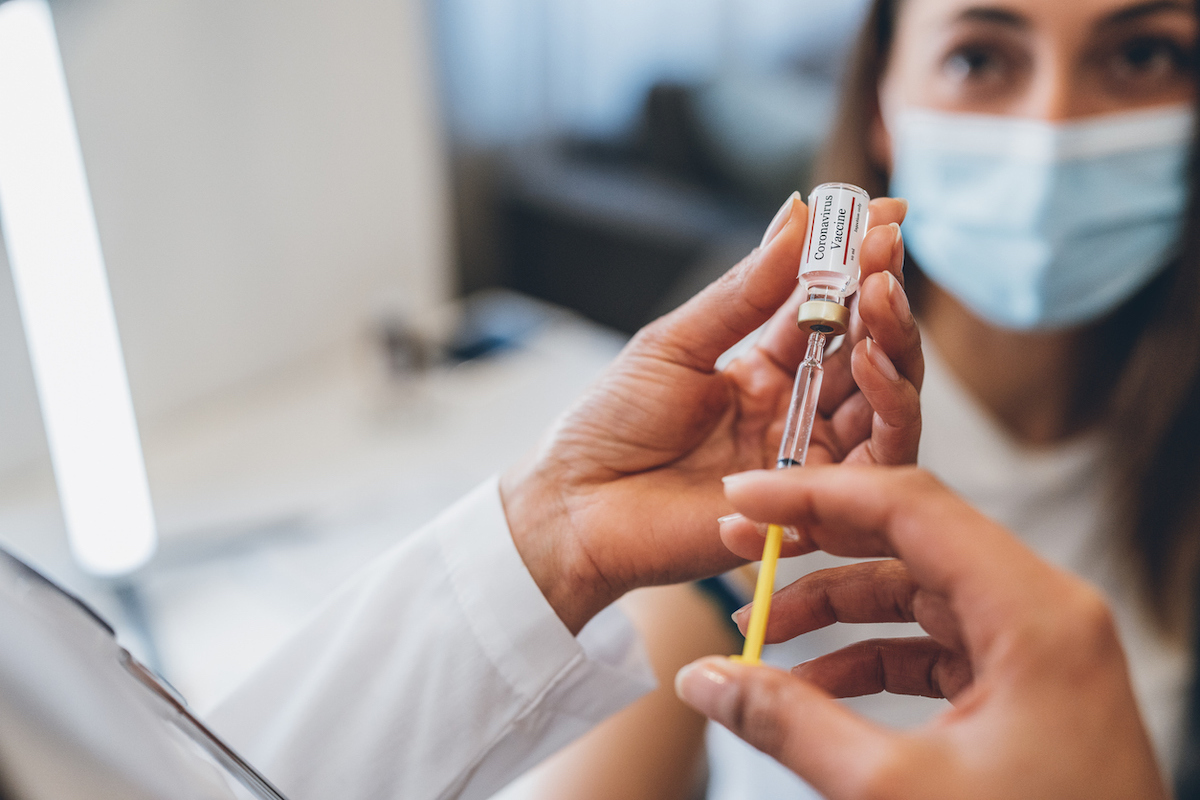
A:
(269, 497)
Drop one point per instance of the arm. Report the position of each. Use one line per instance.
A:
(1027, 653)
(440, 671)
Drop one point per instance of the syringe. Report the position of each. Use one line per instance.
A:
(829, 272)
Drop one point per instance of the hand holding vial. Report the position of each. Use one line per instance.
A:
(625, 490)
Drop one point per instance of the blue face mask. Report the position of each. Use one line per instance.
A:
(1035, 225)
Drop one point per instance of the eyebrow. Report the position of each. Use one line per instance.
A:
(1142, 10)
(1003, 16)
(994, 15)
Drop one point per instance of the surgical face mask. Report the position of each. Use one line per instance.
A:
(1037, 225)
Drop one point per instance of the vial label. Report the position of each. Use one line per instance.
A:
(836, 232)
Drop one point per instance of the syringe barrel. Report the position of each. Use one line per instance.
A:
(829, 265)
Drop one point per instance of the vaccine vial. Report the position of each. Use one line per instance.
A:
(829, 266)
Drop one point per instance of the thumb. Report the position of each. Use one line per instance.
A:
(790, 720)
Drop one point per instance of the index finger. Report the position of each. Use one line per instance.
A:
(947, 546)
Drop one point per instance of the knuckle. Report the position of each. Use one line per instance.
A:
(1075, 633)
(919, 494)
(733, 279)
(662, 340)
(651, 336)
(904, 410)
(912, 333)
(1089, 620)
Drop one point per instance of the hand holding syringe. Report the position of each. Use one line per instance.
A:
(829, 274)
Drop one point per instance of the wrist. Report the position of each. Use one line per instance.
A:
(546, 536)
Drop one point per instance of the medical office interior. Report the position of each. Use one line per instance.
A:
(361, 253)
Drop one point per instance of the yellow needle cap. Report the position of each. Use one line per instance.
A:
(756, 632)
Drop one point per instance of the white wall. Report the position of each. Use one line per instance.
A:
(267, 176)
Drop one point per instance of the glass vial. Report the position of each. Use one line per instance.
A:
(829, 266)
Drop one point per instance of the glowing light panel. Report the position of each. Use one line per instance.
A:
(61, 286)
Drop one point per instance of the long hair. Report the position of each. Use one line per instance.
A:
(1147, 354)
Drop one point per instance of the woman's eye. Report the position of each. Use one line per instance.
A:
(1150, 61)
(973, 64)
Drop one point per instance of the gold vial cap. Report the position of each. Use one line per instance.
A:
(823, 316)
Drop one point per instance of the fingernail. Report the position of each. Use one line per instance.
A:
(790, 532)
(780, 219)
(899, 300)
(729, 518)
(704, 684)
(881, 361)
(735, 616)
(802, 667)
(897, 248)
(738, 477)
(903, 202)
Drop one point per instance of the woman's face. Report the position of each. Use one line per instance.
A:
(1047, 59)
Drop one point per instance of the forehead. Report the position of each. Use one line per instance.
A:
(1076, 16)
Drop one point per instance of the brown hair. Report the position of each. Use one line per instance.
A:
(1153, 408)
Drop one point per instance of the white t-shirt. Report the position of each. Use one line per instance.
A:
(1055, 499)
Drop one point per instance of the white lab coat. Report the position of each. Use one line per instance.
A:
(440, 671)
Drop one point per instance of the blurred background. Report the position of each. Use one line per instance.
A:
(362, 252)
